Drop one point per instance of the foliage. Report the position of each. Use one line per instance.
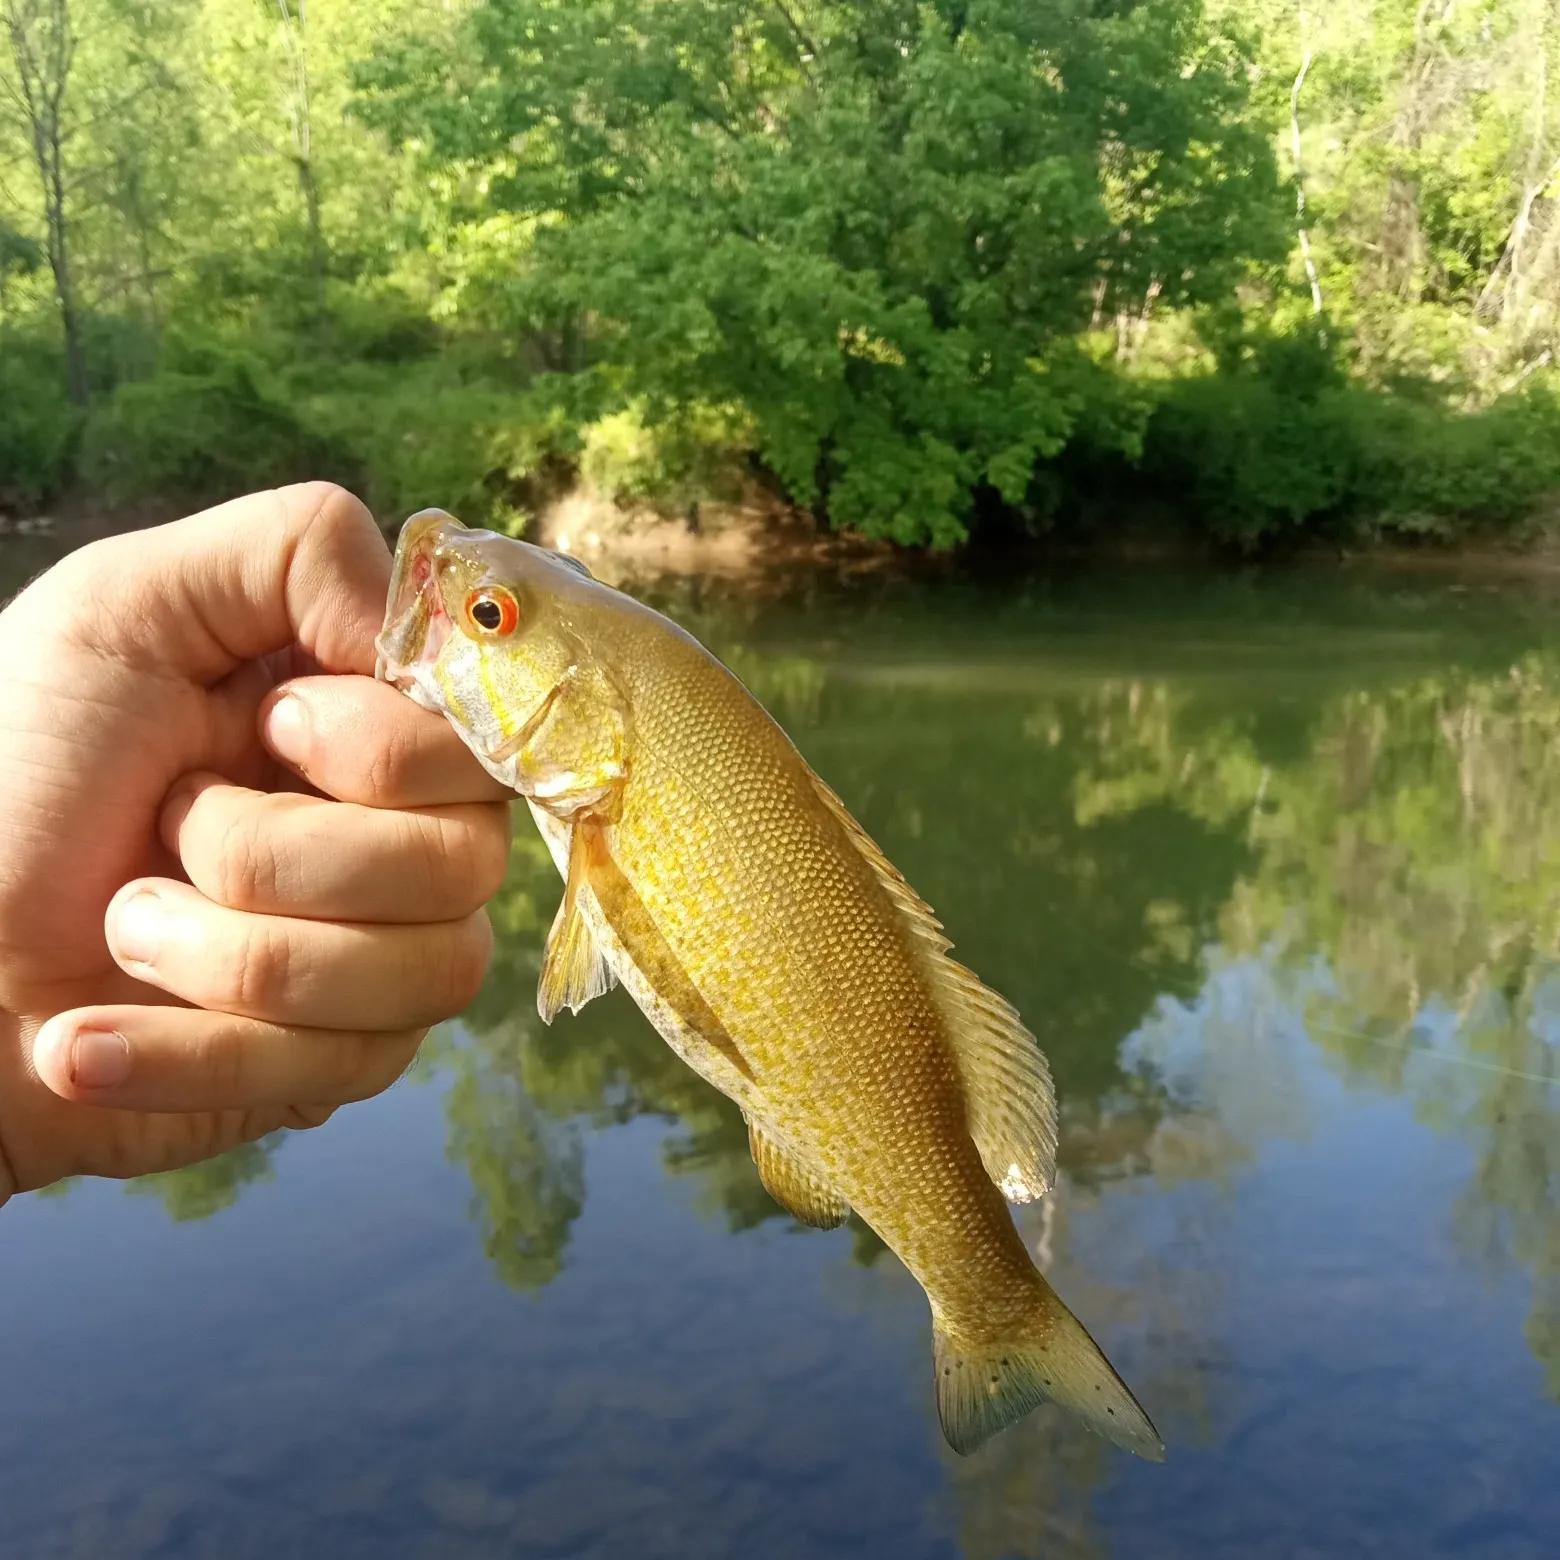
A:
(874, 226)
(1261, 455)
(205, 426)
(424, 438)
(37, 425)
(677, 460)
(198, 1191)
(1412, 854)
(933, 270)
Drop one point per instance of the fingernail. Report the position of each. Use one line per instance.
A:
(138, 928)
(287, 729)
(99, 1059)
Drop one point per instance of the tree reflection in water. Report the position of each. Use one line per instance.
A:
(1188, 884)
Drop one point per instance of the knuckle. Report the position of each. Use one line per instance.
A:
(225, 1063)
(465, 964)
(385, 768)
(305, 1118)
(424, 844)
(319, 514)
(490, 843)
(330, 508)
(377, 1062)
(247, 870)
(256, 970)
(350, 1071)
(467, 855)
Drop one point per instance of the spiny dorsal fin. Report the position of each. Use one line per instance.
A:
(795, 1185)
(1007, 1083)
(569, 561)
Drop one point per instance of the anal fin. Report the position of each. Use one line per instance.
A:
(573, 969)
(795, 1185)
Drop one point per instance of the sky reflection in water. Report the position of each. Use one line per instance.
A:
(1273, 870)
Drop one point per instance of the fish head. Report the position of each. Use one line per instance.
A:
(477, 628)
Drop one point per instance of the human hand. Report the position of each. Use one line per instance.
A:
(196, 948)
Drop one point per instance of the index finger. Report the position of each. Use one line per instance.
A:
(361, 741)
(302, 566)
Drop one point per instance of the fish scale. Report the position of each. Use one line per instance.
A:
(769, 941)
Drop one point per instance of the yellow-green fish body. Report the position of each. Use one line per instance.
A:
(769, 941)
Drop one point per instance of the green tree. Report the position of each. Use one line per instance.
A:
(878, 227)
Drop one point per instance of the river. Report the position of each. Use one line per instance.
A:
(1270, 863)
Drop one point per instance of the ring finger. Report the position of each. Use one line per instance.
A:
(283, 970)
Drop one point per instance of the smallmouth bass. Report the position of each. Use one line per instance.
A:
(769, 941)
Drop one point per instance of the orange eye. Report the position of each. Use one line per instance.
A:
(492, 611)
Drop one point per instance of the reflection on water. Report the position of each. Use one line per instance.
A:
(1273, 871)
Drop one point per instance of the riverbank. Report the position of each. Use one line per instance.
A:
(758, 536)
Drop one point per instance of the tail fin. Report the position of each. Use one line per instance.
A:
(983, 1389)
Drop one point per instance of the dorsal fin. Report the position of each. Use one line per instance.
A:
(569, 561)
(1009, 1097)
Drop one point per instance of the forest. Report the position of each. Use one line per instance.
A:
(1252, 274)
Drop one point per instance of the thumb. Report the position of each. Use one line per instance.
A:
(302, 566)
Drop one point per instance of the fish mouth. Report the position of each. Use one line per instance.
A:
(416, 626)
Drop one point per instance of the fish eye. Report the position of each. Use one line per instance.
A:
(492, 610)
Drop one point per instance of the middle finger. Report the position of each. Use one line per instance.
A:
(281, 853)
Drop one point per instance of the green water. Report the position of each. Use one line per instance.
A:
(1271, 865)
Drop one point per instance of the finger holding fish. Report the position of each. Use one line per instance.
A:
(291, 971)
(357, 740)
(186, 1059)
(283, 853)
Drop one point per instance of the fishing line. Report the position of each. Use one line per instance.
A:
(1407, 1048)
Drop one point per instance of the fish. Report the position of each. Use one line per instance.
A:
(712, 873)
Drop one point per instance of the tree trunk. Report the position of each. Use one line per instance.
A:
(43, 47)
(295, 21)
(1401, 241)
(1294, 152)
(318, 254)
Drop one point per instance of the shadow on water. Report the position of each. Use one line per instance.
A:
(1212, 853)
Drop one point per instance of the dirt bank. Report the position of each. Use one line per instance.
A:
(734, 541)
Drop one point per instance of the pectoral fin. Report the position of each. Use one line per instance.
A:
(644, 945)
(573, 969)
(801, 1190)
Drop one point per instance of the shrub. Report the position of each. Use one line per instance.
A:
(37, 424)
(420, 438)
(376, 321)
(693, 454)
(209, 424)
(1272, 446)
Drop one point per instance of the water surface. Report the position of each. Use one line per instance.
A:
(1271, 866)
